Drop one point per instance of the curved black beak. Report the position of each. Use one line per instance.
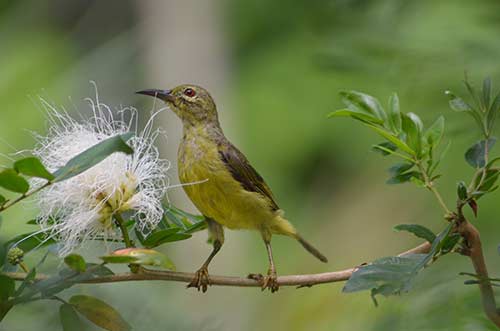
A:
(164, 95)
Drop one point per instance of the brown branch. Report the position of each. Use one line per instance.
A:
(474, 251)
(290, 280)
(466, 229)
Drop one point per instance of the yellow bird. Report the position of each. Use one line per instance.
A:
(220, 181)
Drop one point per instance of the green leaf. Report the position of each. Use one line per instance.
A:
(30, 277)
(5, 307)
(412, 126)
(93, 156)
(404, 177)
(32, 167)
(437, 245)
(75, 262)
(393, 139)
(99, 312)
(457, 103)
(201, 225)
(2, 200)
(70, 320)
(472, 90)
(488, 183)
(435, 132)
(475, 155)
(357, 115)
(493, 112)
(10, 180)
(361, 102)
(182, 219)
(141, 256)
(7, 288)
(385, 148)
(98, 270)
(400, 168)
(157, 238)
(418, 230)
(395, 274)
(394, 113)
(174, 218)
(450, 242)
(462, 191)
(486, 92)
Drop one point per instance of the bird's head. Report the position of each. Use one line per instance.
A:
(193, 104)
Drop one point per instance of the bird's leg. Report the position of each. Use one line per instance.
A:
(271, 280)
(201, 278)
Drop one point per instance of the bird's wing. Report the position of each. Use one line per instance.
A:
(243, 172)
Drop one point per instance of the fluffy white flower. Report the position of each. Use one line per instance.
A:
(82, 207)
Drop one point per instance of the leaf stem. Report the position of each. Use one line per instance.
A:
(24, 267)
(121, 224)
(430, 186)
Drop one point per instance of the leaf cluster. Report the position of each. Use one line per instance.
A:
(407, 138)
(404, 135)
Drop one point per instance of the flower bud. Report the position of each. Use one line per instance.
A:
(15, 255)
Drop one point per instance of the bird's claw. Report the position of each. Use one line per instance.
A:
(201, 280)
(269, 282)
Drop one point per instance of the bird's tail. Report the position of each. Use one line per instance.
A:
(282, 226)
(311, 249)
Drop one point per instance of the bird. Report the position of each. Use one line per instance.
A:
(221, 182)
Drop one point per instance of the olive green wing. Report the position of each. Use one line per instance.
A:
(243, 172)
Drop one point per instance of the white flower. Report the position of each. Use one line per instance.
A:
(82, 207)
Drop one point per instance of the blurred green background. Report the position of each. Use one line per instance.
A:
(275, 69)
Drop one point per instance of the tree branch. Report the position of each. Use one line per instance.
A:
(290, 280)
(475, 252)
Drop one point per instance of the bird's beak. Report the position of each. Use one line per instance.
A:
(165, 95)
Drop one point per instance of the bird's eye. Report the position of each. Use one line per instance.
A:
(189, 92)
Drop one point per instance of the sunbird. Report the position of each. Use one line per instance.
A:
(221, 183)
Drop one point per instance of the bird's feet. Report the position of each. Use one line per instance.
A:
(201, 280)
(267, 282)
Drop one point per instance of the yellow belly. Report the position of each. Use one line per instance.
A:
(214, 191)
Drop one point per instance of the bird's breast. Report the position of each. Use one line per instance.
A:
(212, 188)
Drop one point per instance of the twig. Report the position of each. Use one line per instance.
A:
(290, 280)
(475, 253)
(430, 186)
(24, 196)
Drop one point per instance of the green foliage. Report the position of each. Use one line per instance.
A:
(407, 138)
(93, 156)
(7, 288)
(75, 262)
(160, 237)
(394, 275)
(418, 230)
(99, 313)
(10, 180)
(462, 191)
(483, 108)
(29, 241)
(386, 276)
(405, 134)
(176, 225)
(476, 154)
(70, 320)
(32, 167)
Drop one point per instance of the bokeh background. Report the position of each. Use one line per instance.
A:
(275, 69)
